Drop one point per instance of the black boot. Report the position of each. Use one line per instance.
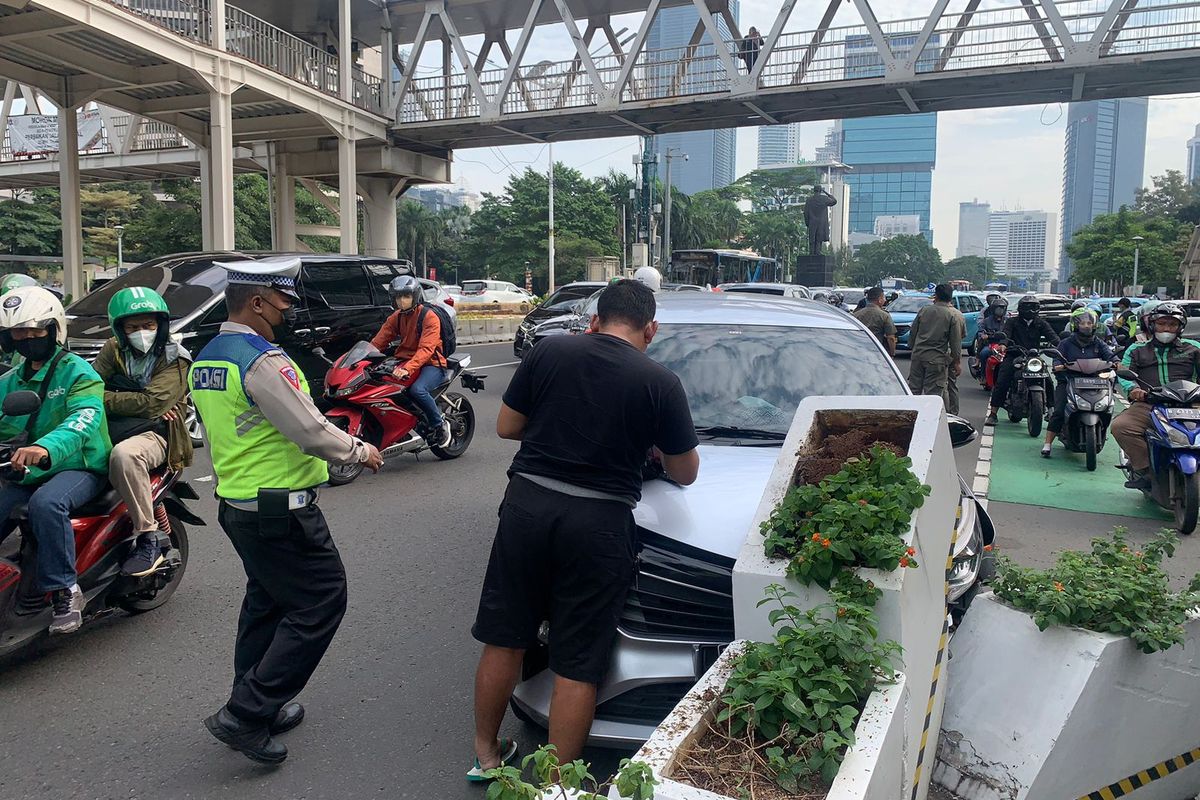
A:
(251, 739)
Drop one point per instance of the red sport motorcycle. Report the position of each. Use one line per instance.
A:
(364, 398)
(103, 539)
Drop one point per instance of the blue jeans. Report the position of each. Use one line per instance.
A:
(429, 378)
(50, 506)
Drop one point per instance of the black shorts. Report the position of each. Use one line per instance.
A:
(569, 560)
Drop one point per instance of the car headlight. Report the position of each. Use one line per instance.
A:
(968, 558)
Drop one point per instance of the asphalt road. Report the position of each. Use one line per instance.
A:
(115, 711)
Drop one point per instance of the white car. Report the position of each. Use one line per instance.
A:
(493, 292)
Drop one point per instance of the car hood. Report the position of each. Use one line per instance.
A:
(902, 317)
(715, 512)
(542, 313)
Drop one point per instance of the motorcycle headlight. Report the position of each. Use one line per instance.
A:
(349, 389)
(1034, 365)
(1103, 404)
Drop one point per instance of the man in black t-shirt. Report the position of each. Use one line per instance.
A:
(586, 410)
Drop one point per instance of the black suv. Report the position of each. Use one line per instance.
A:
(344, 300)
(565, 302)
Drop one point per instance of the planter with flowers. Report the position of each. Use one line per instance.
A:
(1075, 678)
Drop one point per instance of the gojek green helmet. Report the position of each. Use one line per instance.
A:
(16, 280)
(136, 301)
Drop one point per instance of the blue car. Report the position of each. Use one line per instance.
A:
(1108, 306)
(905, 307)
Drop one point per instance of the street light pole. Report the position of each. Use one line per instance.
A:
(1137, 246)
(664, 261)
(550, 259)
(120, 229)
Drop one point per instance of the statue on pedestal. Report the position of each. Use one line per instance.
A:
(816, 218)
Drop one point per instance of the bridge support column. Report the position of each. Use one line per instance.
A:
(348, 193)
(283, 226)
(220, 170)
(379, 215)
(206, 237)
(68, 187)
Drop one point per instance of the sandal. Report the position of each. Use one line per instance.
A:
(508, 751)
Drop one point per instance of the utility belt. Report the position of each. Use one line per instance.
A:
(275, 502)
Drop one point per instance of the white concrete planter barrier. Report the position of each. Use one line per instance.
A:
(912, 610)
(1065, 712)
(872, 769)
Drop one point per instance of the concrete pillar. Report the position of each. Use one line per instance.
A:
(348, 194)
(68, 187)
(345, 52)
(283, 227)
(206, 233)
(387, 46)
(379, 217)
(220, 165)
(216, 13)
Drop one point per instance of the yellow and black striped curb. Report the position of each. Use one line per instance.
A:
(941, 654)
(1140, 779)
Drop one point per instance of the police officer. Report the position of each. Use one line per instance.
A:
(936, 339)
(269, 451)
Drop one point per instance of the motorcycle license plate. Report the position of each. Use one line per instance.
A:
(1093, 383)
(1183, 413)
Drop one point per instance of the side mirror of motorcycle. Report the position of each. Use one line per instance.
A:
(21, 404)
(962, 432)
(319, 352)
(1127, 374)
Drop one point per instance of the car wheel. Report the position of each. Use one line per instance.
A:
(194, 426)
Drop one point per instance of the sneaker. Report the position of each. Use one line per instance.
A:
(991, 418)
(444, 435)
(1138, 480)
(145, 558)
(1045, 451)
(68, 610)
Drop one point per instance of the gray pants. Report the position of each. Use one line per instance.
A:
(927, 374)
(129, 471)
(951, 389)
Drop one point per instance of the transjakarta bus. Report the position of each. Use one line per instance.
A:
(713, 267)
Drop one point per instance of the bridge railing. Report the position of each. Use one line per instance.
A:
(261, 42)
(988, 38)
(151, 135)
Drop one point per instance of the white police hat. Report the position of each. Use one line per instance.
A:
(278, 272)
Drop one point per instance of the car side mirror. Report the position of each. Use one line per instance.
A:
(962, 432)
(1127, 374)
(21, 403)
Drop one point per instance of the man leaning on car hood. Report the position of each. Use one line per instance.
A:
(586, 410)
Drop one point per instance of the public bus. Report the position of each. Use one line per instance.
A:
(713, 267)
(897, 284)
(961, 285)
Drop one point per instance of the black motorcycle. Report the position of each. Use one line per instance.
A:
(1029, 388)
(1089, 407)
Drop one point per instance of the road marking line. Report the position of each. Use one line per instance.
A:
(985, 454)
(490, 366)
(984, 467)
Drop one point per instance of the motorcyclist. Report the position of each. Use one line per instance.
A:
(1082, 342)
(1123, 323)
(991, 328)
(417, 335)
(145, 399)
(1027, 331)
(1165, 358)
(63, 460)
(1144, 332)
(837, 300)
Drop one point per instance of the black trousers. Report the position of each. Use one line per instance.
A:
(1059, 415)
(1004, 379)
(295, 600)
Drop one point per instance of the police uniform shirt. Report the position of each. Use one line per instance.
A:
(933, 330)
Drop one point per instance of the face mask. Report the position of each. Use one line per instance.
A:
(37, 350)
(142, 341)
(1026, 314)
(1086, 335)
(1164, 337)
(288, 317)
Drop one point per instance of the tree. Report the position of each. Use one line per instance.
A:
(30, 228)
(717, 218)
(976, 269)
(1172, 196)
(166, 226)
(1103, 251)
(910, 257)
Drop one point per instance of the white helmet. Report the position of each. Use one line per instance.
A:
(32, 307)
(649, 276)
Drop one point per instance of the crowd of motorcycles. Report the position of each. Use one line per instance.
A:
(1174, 437)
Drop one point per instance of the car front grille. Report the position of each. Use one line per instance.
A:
(902, 330)
(87, 349)
(644, 705)
(680, 593)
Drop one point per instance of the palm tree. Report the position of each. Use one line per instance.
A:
(413, 222)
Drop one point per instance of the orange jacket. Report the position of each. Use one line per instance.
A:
(401, 326)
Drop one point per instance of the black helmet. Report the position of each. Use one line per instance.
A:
(1028, 306)
(836, 299)
(1166, 311)
(405, 285)
(992, 297)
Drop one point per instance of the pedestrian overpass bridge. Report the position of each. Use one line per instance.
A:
(372, 96)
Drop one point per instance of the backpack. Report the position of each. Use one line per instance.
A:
(449, 337)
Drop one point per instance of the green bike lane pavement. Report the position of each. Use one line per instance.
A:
(1019, 474)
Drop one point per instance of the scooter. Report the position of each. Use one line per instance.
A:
(1027, 394)
(364, 398)
(1089, 407)
(1174, 440)
(104, 537)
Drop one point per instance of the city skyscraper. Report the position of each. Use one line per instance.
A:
(1103, 163)
(778, 144)
(1193, 159)
(892, 157)
(712, 155)
(973, 229)
(1022, 243)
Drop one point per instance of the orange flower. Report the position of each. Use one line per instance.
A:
(912, 551)
(841, 612)
(824, 543)
(987, 548)
(862, 502)
(904, 561)
(1138, 554)
(1058, 587)
(817, 537)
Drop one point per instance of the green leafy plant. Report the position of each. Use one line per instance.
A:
(1116, 588)
(572, 781)
(852, 518)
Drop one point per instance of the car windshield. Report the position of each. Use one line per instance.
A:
(852, 296)
(185, 285)
(777, 290)
(474, 287)
(753, 377)
(567, 295)
(909, 305)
